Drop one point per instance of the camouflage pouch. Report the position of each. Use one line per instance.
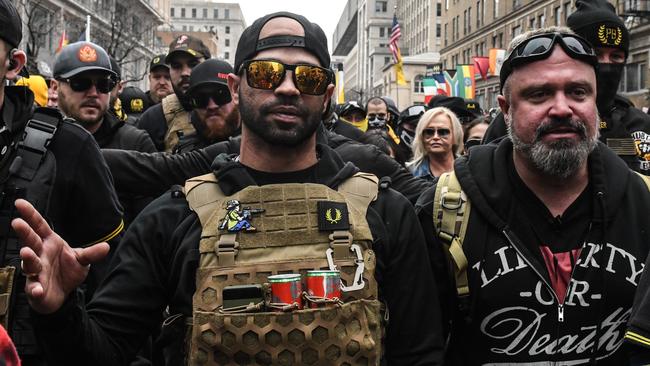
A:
(6, 287)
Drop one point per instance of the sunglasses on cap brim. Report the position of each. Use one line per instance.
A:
(541, 46)
(269, 74)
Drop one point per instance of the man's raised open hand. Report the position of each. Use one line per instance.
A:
(53, 268)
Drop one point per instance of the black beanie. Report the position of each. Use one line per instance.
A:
(597, 22)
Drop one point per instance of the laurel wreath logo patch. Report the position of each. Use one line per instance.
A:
(336, 218)
(610, 36)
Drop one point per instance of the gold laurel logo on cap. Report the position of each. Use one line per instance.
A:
(156, 60)
(610, 36)
(87, 54)
(137, 105)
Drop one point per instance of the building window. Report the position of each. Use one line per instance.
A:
(531, 23)
(226, 14)
(226, 55)
(184, 28)
(227, 29)
(633, 78)
(516, 31)
(418, 85)
(171, 12)
(478, 14)
(464, 22)
(215, 13)
(445, 34)
(495, 9)
(191, 28)
(227, 42)
(516, 3)
(382, 32)
(558, 15)
(386, 60)
(381, 6)
(439, 9)
(193, 13)
(182, 12)
(205, 13)
(438, 29)
(541, 20)
(566, 8)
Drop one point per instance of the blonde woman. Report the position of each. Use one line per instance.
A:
(438, 141)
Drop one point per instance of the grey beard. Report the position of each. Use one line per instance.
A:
(560, 159)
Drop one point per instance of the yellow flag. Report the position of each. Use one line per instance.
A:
(399, 73)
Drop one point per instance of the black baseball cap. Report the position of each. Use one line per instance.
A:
(211, 72)
(314, 40)
(79, 57)
(188, 44)
(134, 101)
(455, 104)
(11, 26)
(158, 61)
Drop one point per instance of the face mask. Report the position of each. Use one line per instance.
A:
(377, 123)
(607, 79)
(406, 136)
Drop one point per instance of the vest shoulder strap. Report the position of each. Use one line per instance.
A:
(171, 105)
(451, 210)
(202, 193)
(38, 134)
(361, 189)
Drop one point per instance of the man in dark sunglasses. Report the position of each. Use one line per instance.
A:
(166, 121)
(215, 117)
(56, 166)
(554, 237)
(84, 79)
(279, 168)
(624, 128)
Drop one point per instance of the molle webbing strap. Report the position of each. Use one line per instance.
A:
(451, 211)
(39, 131)
(178, 120)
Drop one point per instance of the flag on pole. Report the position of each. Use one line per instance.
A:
(63, 41)
(441, 86)
(497, 55)
(340, 94)
(433, 85)
(451, 83)
(481, 66)
(394, 48)
(466, 81)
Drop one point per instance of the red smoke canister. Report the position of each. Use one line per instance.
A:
(286, 289)
(324, 284)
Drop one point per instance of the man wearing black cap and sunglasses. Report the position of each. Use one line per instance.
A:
(84, 80)
(284, 182)
(58, 167)
(214, 117)
(552, 249)
(624, 128)
(166, 121)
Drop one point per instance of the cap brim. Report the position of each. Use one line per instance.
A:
(206, 83)
(84, 69)
(169, 55)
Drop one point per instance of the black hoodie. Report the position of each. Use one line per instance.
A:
(156, 263)
(513, 314)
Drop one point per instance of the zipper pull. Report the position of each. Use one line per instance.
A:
(560, 313)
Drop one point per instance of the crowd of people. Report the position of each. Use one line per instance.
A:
(185, 224)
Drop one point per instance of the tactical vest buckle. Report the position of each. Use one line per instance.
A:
(452, 200)
(226, 249)
(358, 283)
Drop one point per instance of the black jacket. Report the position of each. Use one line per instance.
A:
(155, 173)
(116, 134)
(623, 121)
(157, 260)
(513, 315)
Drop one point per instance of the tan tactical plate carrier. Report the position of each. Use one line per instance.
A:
(287, 240)
(177, 118)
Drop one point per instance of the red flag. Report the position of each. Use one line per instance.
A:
(62, 42)
(481, 66)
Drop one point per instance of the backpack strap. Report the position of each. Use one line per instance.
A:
(38, 134)
(451, 211)
(361, 189)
